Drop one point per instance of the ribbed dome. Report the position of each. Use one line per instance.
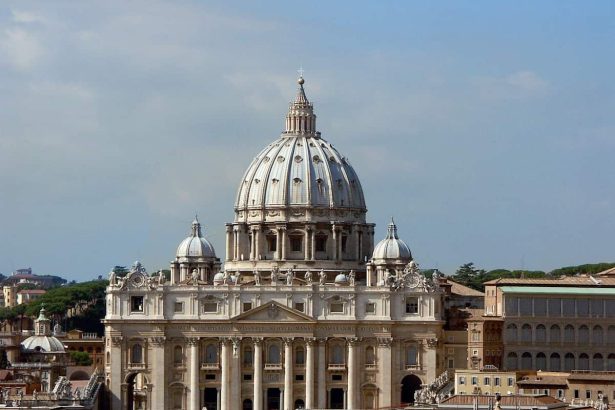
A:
(195, 245)
(47, 344)
(392, 247)
(300, 169)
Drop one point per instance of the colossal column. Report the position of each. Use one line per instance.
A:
(258, 374)
(309, 373)
(353, 387)
(158, 369)
(224, 364)
(288, 374)
(384, 370)
(322, 373)
(193, 401)
(235, 399)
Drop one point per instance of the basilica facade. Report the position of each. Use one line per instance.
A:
(305, 310)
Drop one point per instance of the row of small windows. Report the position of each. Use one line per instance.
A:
(497, 381)
(571, 334)
(555, 363)
(558, 307)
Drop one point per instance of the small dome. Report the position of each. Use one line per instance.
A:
(195, 246)
(392, 247)
(341, 279)
(46, 344)
(218, 278)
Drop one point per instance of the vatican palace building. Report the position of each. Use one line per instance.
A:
(306, 310)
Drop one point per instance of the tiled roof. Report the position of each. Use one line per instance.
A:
(543, 381)
(562, 281)
(459, 289)
(512, 400)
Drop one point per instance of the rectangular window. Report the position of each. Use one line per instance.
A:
(136, 303)
(295, 243)
(247, 377)
(247, 306)
(412, 305)
(337, 308)
(272, 243)
(299, 377)
(178, 307)
(474, 380)
(462, 380)
(525, 306)
(588, 394)
(540, 307)
(582, 307)
(576, 393)
(555, 307)
(496, 381)
(210, 376)
(451, 363)
(568, 307)
(344, 242)
(511, 306)
(560, 393)
(511, 381)
(210, 307)
(476, 336)
(597, 308)
(487, 381)
(336, 377)
(370, 308)
(300, 306)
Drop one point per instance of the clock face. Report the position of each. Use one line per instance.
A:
(412, 280)
(137, 280)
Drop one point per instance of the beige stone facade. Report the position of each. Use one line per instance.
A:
(306, 312)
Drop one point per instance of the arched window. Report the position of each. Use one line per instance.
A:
(569, 334)
(610, 362)
(136, 355)
(555, 362)
(597, 335)
(555, 335)
(299, 356)
(541, 361)
(541, 334)
(598, 362)
(211, 354)
(583, 361)
(526, 361)
(370, 357)
(584, 335)
(299, 404)
(337, 355)
(274, 354)
(411, 353)
(511, 333)
(568, 362)
(247, 404)
(108, 358)
(178, 355)
(526, 333)
(511, 361)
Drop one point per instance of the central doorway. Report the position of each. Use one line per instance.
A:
(409, 385)
(337, 399)
(273, 399)
(211, 398)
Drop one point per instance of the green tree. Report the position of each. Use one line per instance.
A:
(80, 358)
(470, 276)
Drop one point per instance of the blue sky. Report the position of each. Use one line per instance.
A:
(485, 128)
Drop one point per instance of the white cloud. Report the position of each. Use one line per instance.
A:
(519, 85)
(20, 16)
(21, 48)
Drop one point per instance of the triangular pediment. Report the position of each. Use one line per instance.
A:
(274, 312)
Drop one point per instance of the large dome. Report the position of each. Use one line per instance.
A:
(300, 169)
